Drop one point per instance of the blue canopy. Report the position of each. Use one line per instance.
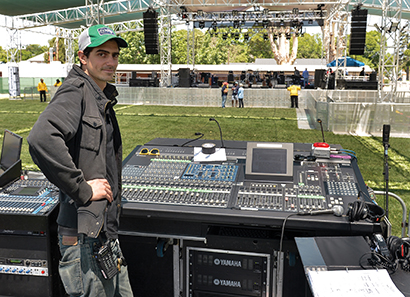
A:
(349, 61)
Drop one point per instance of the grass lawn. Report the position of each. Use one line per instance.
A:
(140, 124)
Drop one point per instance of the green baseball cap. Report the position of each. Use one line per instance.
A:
(96, 35)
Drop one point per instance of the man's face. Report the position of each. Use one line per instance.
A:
(102, 62)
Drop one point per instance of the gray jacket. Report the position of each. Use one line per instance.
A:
(68, 144)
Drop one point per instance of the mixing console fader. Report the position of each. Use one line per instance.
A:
(178, 181)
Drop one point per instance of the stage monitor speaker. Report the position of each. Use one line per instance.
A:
(230, 77)
(319, 77)
(358, 32)
(133, 74)
(151, 31)
(184, 77)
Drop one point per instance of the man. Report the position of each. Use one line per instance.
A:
(296, 76)
(362, 73)
(305, 75)
(293, 89)
(42, 89)
(76, 142)
(235, 88)
(224, 93)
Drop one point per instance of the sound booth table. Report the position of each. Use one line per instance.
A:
(199, 220)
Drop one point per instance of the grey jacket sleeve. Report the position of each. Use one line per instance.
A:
(52, 142)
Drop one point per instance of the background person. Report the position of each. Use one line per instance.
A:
(57, 83)
(42, 89)
(76, 142)
(240, 95)
(293, 89)
(235, 88)
(305, 75)
(224, 93)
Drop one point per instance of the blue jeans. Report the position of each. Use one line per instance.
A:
(81, 276)
(223, 100)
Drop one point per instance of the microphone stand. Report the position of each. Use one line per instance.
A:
(386, 176)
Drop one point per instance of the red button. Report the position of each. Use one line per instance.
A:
(320, 144)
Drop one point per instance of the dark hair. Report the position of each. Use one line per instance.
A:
(86, 52)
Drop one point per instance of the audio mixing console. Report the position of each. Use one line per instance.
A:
(176, 179)
(28, 239)
(244, 187)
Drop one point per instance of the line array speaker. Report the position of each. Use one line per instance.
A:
(358, 32)
(151, 31)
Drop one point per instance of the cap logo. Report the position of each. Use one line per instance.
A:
(105, 31)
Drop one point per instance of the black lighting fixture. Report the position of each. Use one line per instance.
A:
(201, 24)
(265, 12)
(295, 23)
(275, 37)
(236, 24)
(200, 13)
(246, 36)
(224, 36)
(235, 13)
(265, 23)
(282, 23)
(310, 22)
(295, 10)
(236, 35)
(287, 36)
(183, 11)
(214, 26)
(265, 36)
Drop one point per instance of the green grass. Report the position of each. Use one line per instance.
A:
(140, 124)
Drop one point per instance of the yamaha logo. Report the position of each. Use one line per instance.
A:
(227, 283)
(226, 262)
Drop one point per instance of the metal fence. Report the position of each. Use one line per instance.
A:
(201, 97)
(360, 112)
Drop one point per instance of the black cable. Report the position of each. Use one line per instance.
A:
(283, 231)
(189, 141)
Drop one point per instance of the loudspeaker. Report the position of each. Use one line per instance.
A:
(373, 76)
(184, 77)
(151, 31)
(133, 74)
(230, 77)
(358, 32)
(319, 77)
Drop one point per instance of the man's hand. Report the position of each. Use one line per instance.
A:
(101, 189)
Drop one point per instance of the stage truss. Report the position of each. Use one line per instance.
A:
(332, 16)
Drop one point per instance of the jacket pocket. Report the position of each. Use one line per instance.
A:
(92, 133)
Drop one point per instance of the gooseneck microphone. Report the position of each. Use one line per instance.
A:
(336, 210)
(189, 141)
(321, 128)
(220, 131)
(386, 145)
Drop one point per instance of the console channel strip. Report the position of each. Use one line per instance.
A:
(316, 186)
(30, 197)
(179, 181)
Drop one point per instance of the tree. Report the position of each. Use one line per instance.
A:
(3, 55)
(310, 46)
(371, 54)
(135, 52)
(32, 50)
